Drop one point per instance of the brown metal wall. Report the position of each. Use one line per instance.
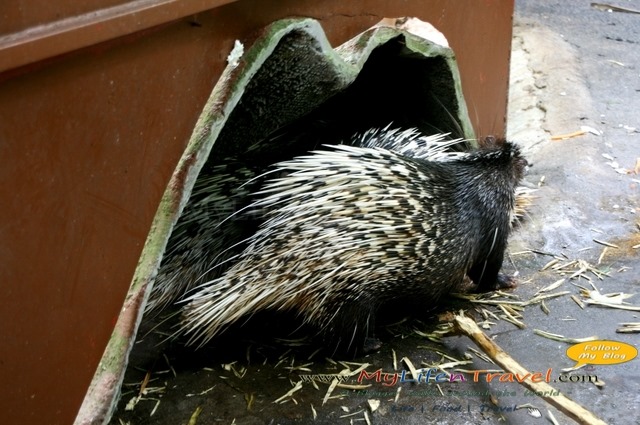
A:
(17, 15)
(89, 139)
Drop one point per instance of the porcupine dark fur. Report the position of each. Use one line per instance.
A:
(350, 228)
(199, 246)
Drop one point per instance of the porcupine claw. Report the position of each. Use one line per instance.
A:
(371, 345)
(505, 281)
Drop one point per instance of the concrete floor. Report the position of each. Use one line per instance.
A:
(572, 66)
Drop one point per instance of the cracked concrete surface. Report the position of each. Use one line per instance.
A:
(549, 96)
(570, 69)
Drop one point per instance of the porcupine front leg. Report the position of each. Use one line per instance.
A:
(350, 332)
(486, 273)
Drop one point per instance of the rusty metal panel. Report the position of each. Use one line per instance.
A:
(24, 39)
(90, 134)
(18, 15)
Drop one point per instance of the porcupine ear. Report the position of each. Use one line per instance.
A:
(506, 152)
(509, 152)
(491, 142)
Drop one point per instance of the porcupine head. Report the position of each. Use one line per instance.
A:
(500, 169)
(479, 189)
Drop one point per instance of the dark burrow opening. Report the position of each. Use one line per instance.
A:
(284, 113)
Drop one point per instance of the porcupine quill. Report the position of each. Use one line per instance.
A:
(198, 248)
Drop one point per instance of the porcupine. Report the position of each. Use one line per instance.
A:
(198, 249)
(350, 228)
